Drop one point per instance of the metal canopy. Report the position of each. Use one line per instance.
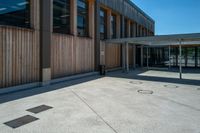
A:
(157, 41)
(161, 40)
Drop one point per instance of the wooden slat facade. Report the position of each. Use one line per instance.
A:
(19, 56)
(112, 56)
(20, 51)
(71, 55)
(20, 48)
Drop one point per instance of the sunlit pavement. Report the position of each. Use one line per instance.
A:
(112, 104)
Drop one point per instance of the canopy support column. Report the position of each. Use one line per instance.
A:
(127, 57)
(169, 57)
(180, 60)
(123, 57)
(147, 57)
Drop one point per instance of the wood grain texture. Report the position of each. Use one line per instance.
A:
(71, 55)
(19, 51)
(17, 58)
(112, 56)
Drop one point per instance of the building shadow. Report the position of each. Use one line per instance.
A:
(138, 75)
(39, 90)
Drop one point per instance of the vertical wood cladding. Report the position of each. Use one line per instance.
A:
(19, 52)
(71, 55)
(19, 56)
(113, 56)
(130, 10)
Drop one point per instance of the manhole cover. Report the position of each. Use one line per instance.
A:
(171, 86)
(21, 121)
(145, 91)
(135, 82)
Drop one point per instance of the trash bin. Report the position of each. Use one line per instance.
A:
(102, 70)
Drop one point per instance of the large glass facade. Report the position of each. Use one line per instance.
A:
(82, 18)
(61, 16)
(15, 13)
(113, 26)
(102, 24)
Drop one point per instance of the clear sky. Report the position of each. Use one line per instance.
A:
(173, 16)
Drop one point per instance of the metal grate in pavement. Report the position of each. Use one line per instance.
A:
(21, 121)
(39, 109)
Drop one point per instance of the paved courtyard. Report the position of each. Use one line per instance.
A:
(111, 104)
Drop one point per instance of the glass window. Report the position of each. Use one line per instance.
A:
(61, 16)
(113, 26)
(15, 13)
(126, 28)
(82, 18)
(102, 24)
(132, 29)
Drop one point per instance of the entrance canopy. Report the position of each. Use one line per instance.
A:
(161, 40)
(157, 41)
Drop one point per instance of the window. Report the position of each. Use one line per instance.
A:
(61, 16)
(132, 29)
(126, 28)
(113, 26)
(82, 18)
(15, 13)
(102, 24)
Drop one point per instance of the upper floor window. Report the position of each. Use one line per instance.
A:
(61, 16)
(126, 28)
(102, 24)
(82, 18)
(113, 26)
(132, 29)
(15, 13)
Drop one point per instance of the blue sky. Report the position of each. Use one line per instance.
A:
(173, 16)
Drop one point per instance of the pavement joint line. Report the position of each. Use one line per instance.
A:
(173, 101)
(94, 111)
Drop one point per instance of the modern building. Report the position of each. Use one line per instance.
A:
(41, 40)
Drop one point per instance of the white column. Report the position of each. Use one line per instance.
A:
(169, 57)
(147, 57)
(123, 57)
(180, 60)
(127, 57)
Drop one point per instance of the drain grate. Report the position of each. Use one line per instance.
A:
(39, 109)
(21, 121)
(135, 82)
(145, 91)
(171, 86)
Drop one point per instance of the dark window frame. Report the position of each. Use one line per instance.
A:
(103, 22)
(113, 26)
(85, 17)
(64, 28)
(25, 22)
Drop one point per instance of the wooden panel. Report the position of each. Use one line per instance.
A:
(130, 10)
(19, 51)
(71, 55)
(112, 56)
(17, 58)
(130, 55)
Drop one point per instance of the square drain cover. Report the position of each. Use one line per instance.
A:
(21, 121)
(39, 109)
